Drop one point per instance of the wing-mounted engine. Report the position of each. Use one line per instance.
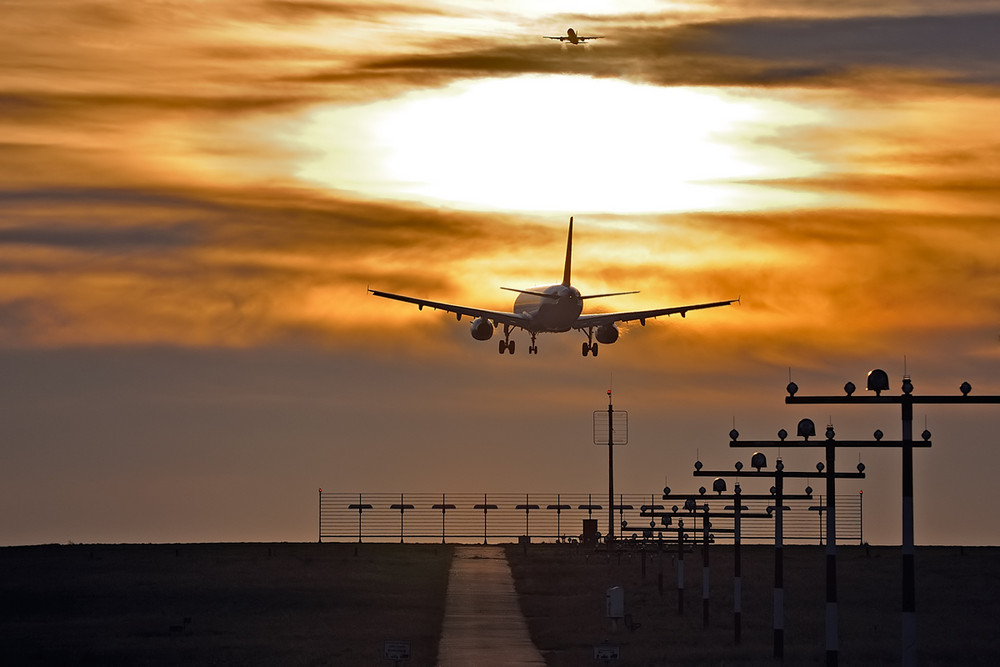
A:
(482, 328)
(606, 333)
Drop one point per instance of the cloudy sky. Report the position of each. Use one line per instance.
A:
(194, 197)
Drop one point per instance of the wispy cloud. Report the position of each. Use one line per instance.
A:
(818, 52)
(252, 268)
(108, 188)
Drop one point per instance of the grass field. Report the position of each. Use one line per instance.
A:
(228, 604)
(336, 604)
(563, 587)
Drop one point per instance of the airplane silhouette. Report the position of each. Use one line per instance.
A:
(573, 38)
(551, 309)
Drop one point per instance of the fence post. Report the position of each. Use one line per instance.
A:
(443, 518)
(486, 507)
(444, 507)
(361, 507)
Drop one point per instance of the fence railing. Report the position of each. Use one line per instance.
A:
(503, 517)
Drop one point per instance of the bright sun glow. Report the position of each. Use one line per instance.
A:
(557, 143)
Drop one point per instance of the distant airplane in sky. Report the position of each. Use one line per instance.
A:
(551, 309)
(573, 38)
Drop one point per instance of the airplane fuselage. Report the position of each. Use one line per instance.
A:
(547, 313)
(550, 309)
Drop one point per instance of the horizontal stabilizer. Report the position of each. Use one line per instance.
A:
(598, 296)
(528, 291)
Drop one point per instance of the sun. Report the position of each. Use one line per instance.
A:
(556, 143)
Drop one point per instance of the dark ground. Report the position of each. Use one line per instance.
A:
(563, 590)
(336, 604)
(220, 604)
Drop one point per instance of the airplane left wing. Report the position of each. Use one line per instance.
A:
(599, 319)
(498, 317)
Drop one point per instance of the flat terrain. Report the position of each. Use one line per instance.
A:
(225, 604)
(563, 588)
(336, 604)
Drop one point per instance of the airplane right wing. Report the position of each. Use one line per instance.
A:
(498, 317)
(598, 319)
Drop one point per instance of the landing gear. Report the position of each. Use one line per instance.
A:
(506, 345)
(590, 347)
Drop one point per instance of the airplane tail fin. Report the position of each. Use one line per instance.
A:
(569, 255)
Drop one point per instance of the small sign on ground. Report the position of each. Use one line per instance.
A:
(397, 650)
(606, 652)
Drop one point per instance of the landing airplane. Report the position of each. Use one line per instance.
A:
(573, 38)
(551, 309)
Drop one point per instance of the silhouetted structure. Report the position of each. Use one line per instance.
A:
(454, 518)
(878, 381)
(807, 429)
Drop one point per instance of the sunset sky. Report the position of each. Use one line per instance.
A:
(194, 197)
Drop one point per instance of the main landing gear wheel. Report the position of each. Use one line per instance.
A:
(507, 345)
(589, 348)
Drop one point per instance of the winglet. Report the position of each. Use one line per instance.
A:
(569, 254)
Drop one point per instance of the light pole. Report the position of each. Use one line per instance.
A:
(666, 520)
(485, 506)
(559, 506)
(739, 512)
(806, 429)
(402, 507)
(527, 507)
(692, 506)
(759, 461)
(360, 506)
(444, 507)
(878, 381)
(616, 430)
(734, 512)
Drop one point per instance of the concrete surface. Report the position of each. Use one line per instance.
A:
(483, 624)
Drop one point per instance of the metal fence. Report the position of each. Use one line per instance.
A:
(506, 517)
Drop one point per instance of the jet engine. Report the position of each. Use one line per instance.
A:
(482, 329)
(607, 334)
